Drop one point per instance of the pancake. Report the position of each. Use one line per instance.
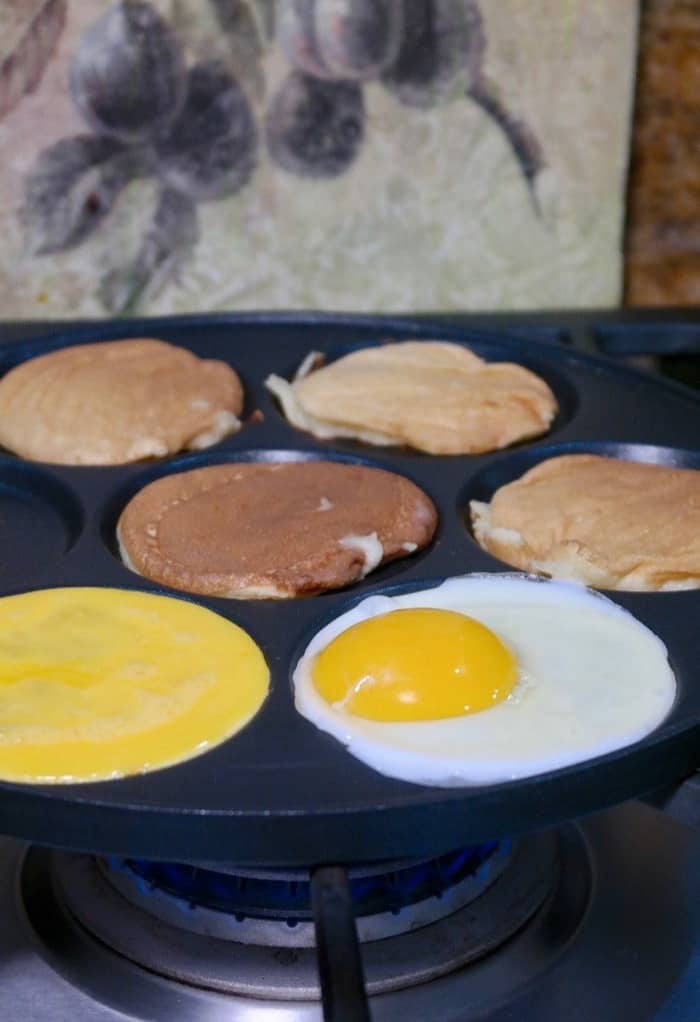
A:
(272, 530)
(605, 522)
(115, 402)
(429, 395)
(102, 683)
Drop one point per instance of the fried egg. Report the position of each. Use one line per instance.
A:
(99, 683)
(484, 679)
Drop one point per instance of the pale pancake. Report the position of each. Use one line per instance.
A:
(272, 530)
(115, 402)
(430, 395)
(609, 523)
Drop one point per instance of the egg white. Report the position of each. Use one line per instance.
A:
(592, 679)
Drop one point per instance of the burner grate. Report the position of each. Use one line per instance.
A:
(268, 960)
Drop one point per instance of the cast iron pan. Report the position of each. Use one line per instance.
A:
(281, 792)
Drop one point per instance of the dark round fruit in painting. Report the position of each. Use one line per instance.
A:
(127, 76)
(357, 38)
(210, 150)
(340, 39)
(315, 127)
(442, 48)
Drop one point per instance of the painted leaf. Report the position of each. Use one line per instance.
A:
(72, 187)
(265, 15)
(167, 243)
(29, 32)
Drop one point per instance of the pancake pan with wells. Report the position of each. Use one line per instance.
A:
(282, 792)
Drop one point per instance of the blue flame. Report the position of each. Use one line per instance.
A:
(194, 886)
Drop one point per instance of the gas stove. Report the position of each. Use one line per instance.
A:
(598, 919)
(594, 919)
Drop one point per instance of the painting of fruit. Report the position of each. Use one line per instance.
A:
(399, 154)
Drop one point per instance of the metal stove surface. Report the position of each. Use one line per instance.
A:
(634, 954)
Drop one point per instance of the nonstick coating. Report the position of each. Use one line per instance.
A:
(281, 792)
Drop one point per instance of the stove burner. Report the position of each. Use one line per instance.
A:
(85, 890)
(273, 907)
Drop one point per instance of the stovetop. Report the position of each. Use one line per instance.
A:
(617, 939)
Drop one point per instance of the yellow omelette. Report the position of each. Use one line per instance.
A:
(100, 683)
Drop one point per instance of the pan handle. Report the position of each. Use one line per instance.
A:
(649, 337)
(681, 801)
(339, 963)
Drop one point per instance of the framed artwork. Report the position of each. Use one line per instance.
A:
(184, 155)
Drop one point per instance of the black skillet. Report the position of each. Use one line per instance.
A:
(281, 792)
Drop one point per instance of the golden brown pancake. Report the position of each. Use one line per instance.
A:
(115, 402)
(609, 523)
(272, 530)
(430, 395)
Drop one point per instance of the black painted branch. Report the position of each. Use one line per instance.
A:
(521, 139)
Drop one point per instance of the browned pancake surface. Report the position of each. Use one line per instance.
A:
(607, 522)
(261, 530)
(115, 402)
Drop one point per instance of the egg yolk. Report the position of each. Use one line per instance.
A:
(422, 664)
(100, 683)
